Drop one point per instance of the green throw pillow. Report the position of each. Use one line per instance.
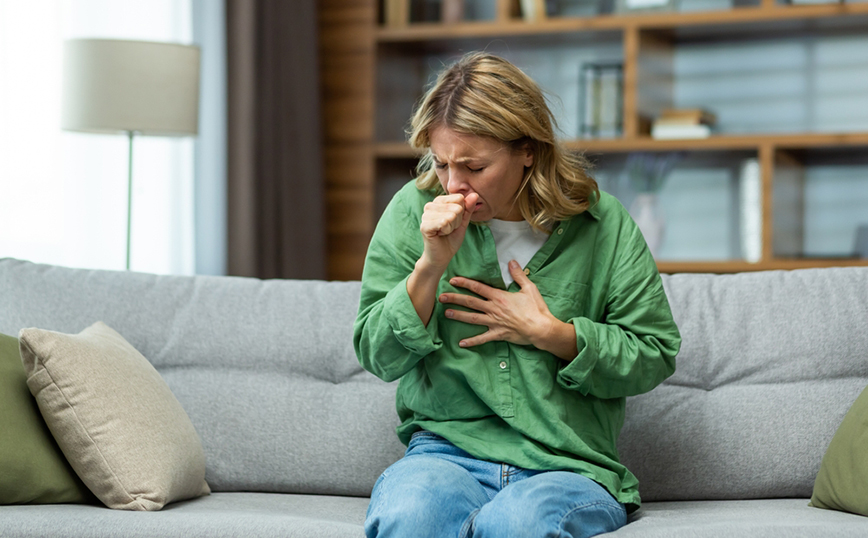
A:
(32, 467)
(842, 483)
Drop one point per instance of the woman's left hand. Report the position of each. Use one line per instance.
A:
(520, 318)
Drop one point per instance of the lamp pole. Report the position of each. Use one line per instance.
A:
(132, 87)
(129, 196)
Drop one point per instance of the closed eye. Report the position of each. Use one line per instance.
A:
(442, 166)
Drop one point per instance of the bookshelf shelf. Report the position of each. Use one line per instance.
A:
(366, 159)
(740, 266)
(738, 18)
(723, 142)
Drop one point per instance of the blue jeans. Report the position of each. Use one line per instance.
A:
(439, 490)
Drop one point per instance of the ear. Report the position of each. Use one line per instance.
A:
(527, 152)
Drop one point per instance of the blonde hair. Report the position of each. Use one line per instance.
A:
(485, 95)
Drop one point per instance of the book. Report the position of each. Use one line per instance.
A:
(452, 11)
(750, 222)
(623, 6)
(646, 4)
(397, 13)
(533, 10)
(674, 132)
(861, 244)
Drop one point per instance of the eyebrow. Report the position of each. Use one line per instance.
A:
(460, 160)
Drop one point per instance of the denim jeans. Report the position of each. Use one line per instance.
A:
(439, 490)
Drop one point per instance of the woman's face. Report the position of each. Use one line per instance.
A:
(468, 163)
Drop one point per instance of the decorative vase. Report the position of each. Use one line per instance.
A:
(646, 211)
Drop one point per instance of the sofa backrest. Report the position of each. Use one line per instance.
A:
(265, 369)
(769, 365)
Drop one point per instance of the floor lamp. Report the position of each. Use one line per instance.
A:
(116, 86)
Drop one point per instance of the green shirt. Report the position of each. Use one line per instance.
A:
(517, 404)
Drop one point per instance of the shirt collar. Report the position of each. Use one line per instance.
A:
(594, 210)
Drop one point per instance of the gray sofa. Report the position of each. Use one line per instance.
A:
(295, 432)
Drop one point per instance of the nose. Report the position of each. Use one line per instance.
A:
(456, 182)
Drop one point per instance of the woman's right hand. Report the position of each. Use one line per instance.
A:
(444, 224)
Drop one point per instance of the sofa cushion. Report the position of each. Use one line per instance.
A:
(220, 515)
(113, 416)
(34, 469)
(842, 483)
(765, 518)
(265, 515)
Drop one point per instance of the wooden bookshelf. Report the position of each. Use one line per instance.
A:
(401, 150)
(355, 156)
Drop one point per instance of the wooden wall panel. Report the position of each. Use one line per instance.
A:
(350, 204)
(344, 166)
(347, 65)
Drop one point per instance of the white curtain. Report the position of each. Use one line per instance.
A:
(63, 194)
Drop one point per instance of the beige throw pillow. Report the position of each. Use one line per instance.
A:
(115, 419)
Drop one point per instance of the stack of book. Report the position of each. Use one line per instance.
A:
(683, 123)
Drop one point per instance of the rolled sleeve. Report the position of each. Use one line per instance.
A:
(576, 374)
(389, 337)
(408, 329)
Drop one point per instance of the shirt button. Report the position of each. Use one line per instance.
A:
(503, 365)
(560, 231)
(527, 271)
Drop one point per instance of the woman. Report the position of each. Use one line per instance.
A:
(519, 306)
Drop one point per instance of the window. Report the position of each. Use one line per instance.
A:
(63, 195)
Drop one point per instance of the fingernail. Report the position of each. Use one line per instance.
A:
(462, 343)
(450, 314)
(443, 298)
(513, 264)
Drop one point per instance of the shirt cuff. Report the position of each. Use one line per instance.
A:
(576, 375)
(406, 325)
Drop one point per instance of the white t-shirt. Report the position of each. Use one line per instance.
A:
(515, 240)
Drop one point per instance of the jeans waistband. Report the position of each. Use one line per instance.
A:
(426, 434)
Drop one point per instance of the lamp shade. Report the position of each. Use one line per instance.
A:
(112, 86)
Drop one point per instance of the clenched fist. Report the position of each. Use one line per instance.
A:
(444, 224)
